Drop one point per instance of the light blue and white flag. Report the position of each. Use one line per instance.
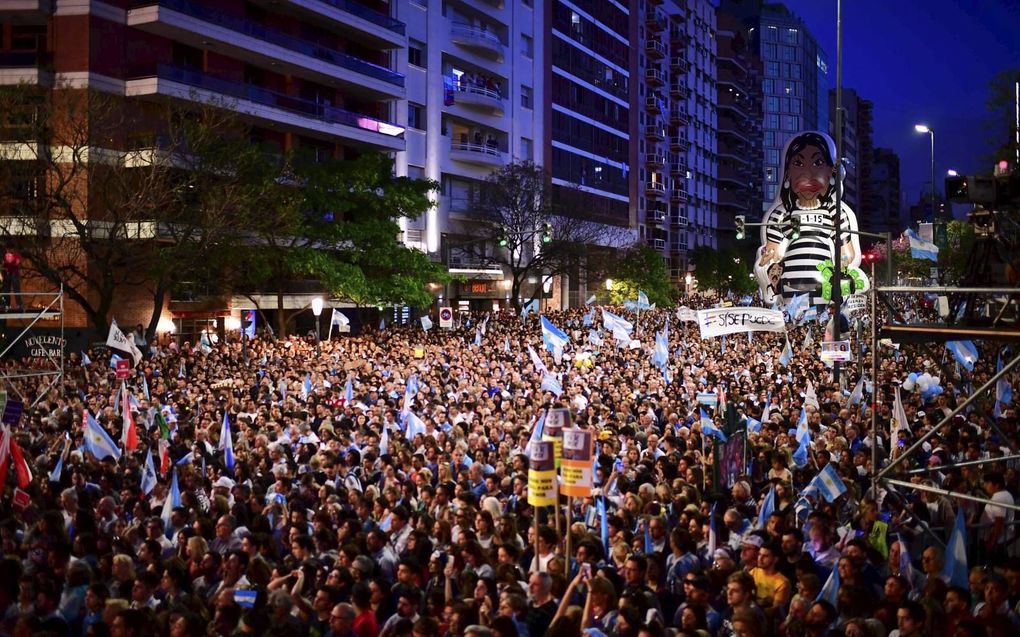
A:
(921, 249)
(857, 395)
(787, 355)
(415, 426)
(708, 427)
(245, 597)
(591, 299)
(339, 318)
(552, 384)
(536, 360)
(595, 338)
(829, 484)
(173, 500)
(536, 433)
(767, 507)
(384, 440)
(955, 565)
(660, 355)
(965, 353)
(478, 337)
(612, 321)
(85, 360)
(588, 318)
(642, 300)
(553, 337)
(98, 442)
(753, 425)
(426, 323)
(148, 474)
(306, 387)
(797, 302)
(227, 443)
(349, 391)
(506, 344)
(830, 591)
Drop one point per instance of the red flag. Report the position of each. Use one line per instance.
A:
(21, 468)
(129, 434)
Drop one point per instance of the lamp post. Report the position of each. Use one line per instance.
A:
(922, 128)
(952, 173)
(317, 310)
(687, 284)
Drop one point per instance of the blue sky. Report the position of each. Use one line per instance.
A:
(922, 61)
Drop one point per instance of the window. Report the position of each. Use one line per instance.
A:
(790, 36)
(790, 122)
(416, 172)
(771, 34)
(527, 149)
(525, 96)
(416, 116)
(526, 45)
(416, 53)
(771, 52)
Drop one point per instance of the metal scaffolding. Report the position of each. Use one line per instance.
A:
(30, 309)
(996, 330)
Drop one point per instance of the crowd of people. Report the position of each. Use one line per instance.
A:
(326, 520)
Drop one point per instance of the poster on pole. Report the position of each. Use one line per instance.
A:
(732, 461)
(446, 317)
(708, 398)
(687, 315)
(555, 423)
(123, 369)
(836, 351)
(576, 469)
(541, 475)
(719, 321)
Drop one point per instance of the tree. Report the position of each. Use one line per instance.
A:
(722, 271)
(105, 192)
(535, 233)
(335, 222)
(641, 268)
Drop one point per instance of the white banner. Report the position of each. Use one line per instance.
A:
(117, 340)
(733, 320)
(687, 314)
(856, 304)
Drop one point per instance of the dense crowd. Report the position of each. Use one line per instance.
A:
(333, 523)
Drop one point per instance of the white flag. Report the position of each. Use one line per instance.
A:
(118, 341)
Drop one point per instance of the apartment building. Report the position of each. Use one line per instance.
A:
(885, 213)
(324, 76)
(740, 119)
(473, 104)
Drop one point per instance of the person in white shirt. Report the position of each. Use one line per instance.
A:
(998, 519)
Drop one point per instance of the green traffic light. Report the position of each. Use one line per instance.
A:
(546, 238)
(740, 236)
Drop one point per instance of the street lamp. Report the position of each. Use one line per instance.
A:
(952, 173)
(317, 310)
(922, 128)
(609, 285)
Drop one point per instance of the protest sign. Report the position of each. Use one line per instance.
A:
(541, 475)
(720, 321)
(576, 469)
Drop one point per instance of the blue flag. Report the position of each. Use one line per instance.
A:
(965, 353)
(249, 331)
(787, 355)
(506, 344)
(604, 523)
(553, 337)
(148, 474)
(349, 391)
(649, 547)
(97, 441)
(921, 248)
(552, 384)
(708, 427)
(796, 302)
(830, 591)
(642, 300)
(478, 337)
(955, 565)
(227, 443)
(767, 507)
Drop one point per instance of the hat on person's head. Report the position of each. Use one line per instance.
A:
(753, 540)
(692, 508)
(223, 482)
(722, 554)
(364, 564)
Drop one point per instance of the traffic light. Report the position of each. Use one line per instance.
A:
(503, 240)
(547, 232)
(794, 227)
(740, 223)
(870, 257)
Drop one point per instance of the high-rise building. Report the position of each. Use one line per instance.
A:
(858, 148)
(740, 120)
(795, 83)
(475, 95)
(884, 214)
(324, 76)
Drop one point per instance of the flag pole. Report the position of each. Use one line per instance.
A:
(329, 333)
(535, 509)
(567, 535)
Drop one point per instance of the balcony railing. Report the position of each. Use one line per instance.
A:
(477, 36)
(259, 32)
(308, 108)
(18, 59)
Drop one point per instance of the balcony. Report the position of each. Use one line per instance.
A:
(655, 160)
(679, 143)
(657, 244)
(677, 35)
(478, 39)
(679, 91)
(678, 64)
(22, 151)
(654, 22)
(481, 98)
(24, 67)
(654, 133)
(655, 189)
(655, 50)
(353, 18)
(202, 27)
(477, 154)
(654, 77)
(678, 196)
(657, 216)
(678, 116)
(653, 106)
(678, 169)
(318, 119)
(680, 221)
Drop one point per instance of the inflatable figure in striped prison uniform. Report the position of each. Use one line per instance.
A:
(786, 266)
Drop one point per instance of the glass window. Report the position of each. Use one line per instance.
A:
(416, 53)
(790, 36)
(527, 148)
(526, 45)
(772, 156)
(771, 52)
(795, 71)
(771, 34)
(769, 86)
(772, 121)
(415, 116)
(791, 122)
(789, 53)
(526, 96)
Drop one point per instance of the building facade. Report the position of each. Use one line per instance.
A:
(740, 120)
(885, 212)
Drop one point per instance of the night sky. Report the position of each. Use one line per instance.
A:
(922, 61)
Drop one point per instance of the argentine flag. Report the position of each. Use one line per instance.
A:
(173, 500)
(97, 441)
(551, 384)
(955, 566)
(708, 427)
(921, 249)
(965, 353)
(829, 483)
(642, 300)
(349, 391)
(148, 474)
(787, 355)
(661, 354)
(226, 444)
(426, 323)
(611, 322)
(553, 337)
